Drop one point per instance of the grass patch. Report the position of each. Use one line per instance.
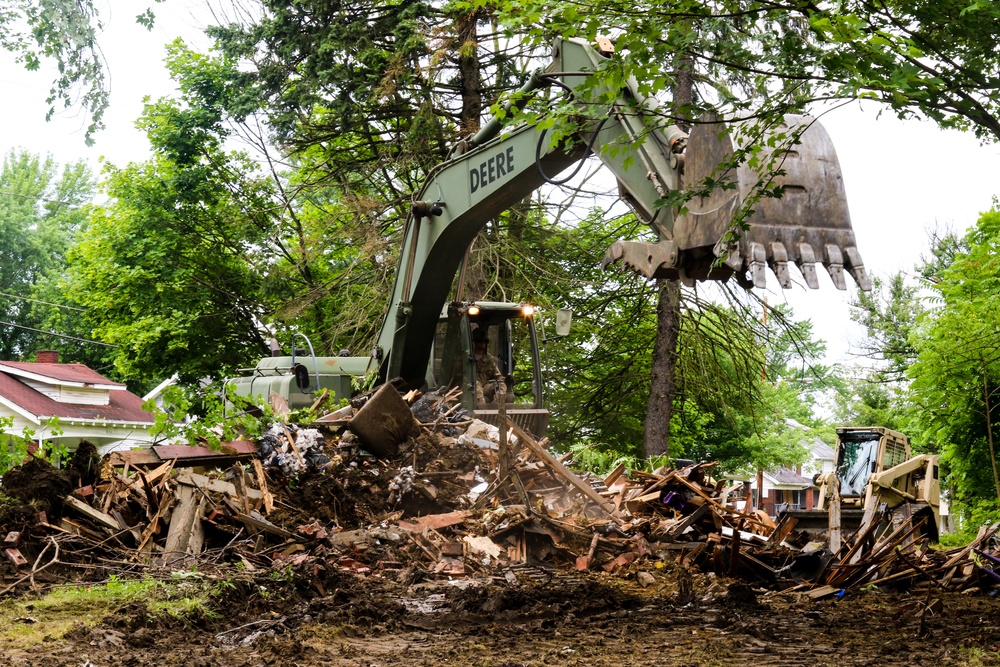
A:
(27, 621)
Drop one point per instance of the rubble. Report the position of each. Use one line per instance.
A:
(418, 496)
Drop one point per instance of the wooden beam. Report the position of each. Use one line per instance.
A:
(564, 472)
(186, 535)
(217, 486)
(95, 515)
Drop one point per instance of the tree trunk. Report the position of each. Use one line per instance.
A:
(989, 431)
(663, 383)
(469, 71)
(656, 437)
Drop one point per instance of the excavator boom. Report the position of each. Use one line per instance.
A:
(490, 172)
(726, 231)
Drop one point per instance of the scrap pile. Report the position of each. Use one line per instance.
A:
(414, 488)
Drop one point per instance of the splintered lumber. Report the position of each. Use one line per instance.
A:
(258, 470)
(436, 521)
(186, 455)
(340, 416)
(615, 474)
(782, 530)
(186, 535)
(134, 458)
(239, 484)
(583, 562)
(564, 472)
(291, 445)
(678, 528)
(720, 511)
(264, 526)
(822, 592)
(985, 533)
(218, 486)
(95, 515)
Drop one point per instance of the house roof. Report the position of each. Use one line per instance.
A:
(74, 374)
(821, 450)
(123, 406)
(787, 476)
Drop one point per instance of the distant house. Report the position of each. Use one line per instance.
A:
(86, 405)
(794, 489)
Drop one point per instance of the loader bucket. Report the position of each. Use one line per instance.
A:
(808, 224)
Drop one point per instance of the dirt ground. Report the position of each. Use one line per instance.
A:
(533, 617)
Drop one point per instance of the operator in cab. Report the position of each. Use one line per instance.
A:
(489, 380)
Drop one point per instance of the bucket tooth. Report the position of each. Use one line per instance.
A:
(857, 269)
(807, 265)
(652, 260)
(730, 254)
(835, 266)
(779, 264)
(758, 265)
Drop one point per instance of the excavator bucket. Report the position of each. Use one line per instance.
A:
(735, 231)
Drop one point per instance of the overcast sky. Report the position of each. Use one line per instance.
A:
(902, 179)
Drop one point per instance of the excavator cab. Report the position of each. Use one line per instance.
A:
(507, 354)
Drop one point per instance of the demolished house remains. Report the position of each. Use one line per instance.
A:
(412, 487)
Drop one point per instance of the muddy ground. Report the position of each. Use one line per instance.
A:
(534, 617)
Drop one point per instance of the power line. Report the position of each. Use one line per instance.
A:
(28, 298)
(58, 335)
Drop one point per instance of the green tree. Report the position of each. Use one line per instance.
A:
(726, 407)
(165, 272)
(888, 313)
(41, 209)
(918, 58)
(956, 377)
(64, 33)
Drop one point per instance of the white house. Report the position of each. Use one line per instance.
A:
(84, 404)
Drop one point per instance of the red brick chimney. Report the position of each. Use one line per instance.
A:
(47, 356)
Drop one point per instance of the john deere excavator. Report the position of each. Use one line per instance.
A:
(426, 341)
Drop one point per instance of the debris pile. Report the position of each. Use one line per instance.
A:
(412, 487)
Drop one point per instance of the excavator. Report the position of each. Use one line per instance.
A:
(426, 339)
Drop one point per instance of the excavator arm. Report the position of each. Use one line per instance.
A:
(491, 172)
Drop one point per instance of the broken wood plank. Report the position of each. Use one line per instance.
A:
(95, 515)
(265, 526)
(80, 529)
(278, 404)
(822, 592)
(133, 458)
(258, 470)
(291, 445)
(217, 486)
(567, 474)
(188, 456)
(239, 484)
(615, 474)
(784, 528)
(720, 512)
(435, 521)
(186, 536)
(319, 400)
(678, 528)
